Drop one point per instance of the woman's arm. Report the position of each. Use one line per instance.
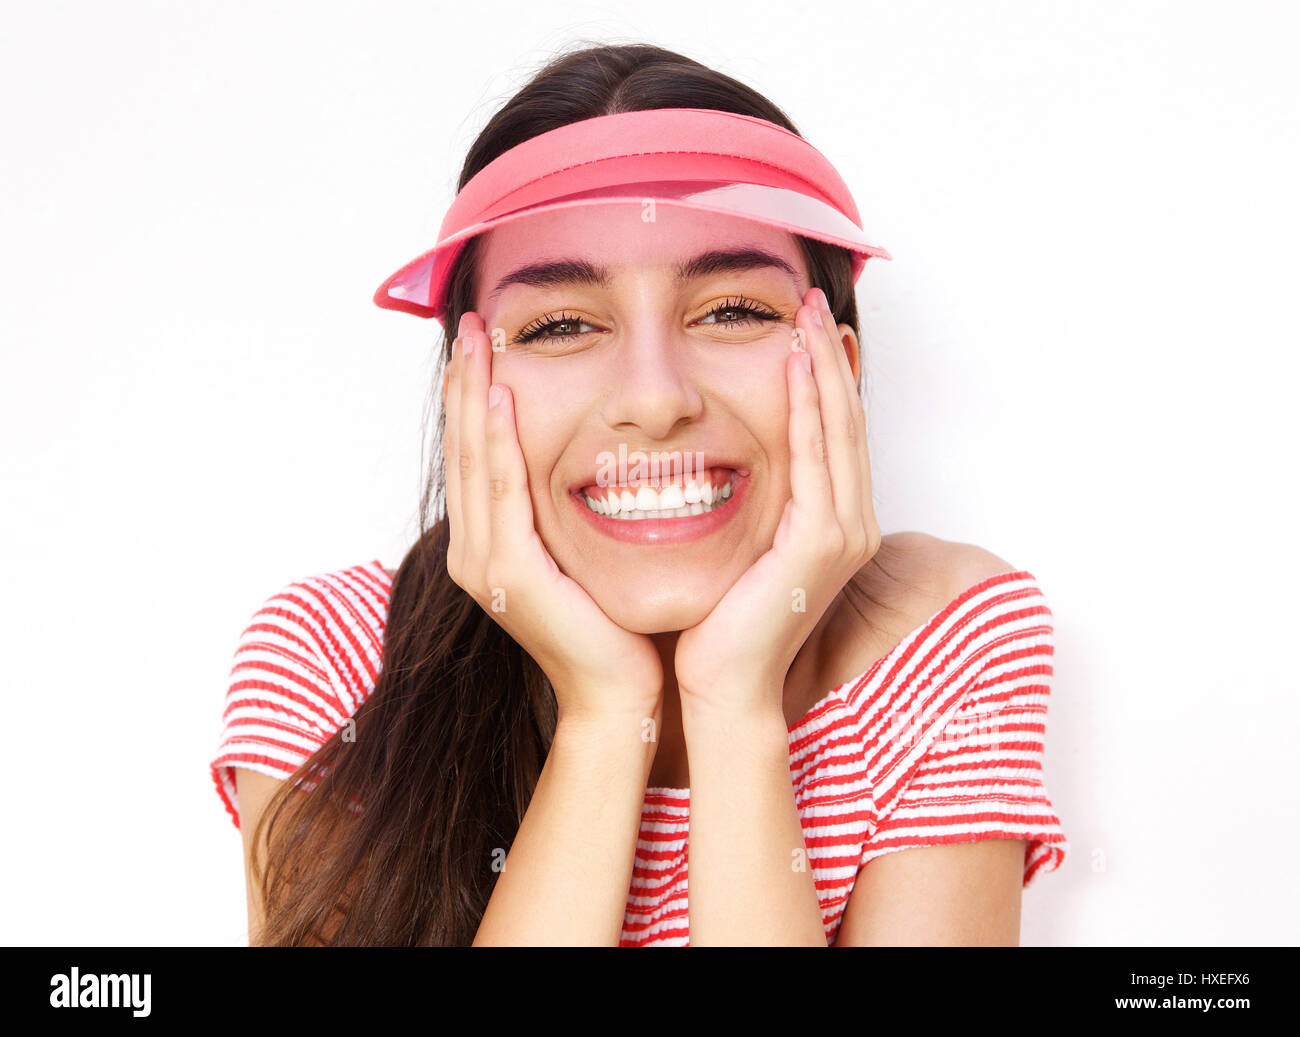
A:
(956, 895)
(568, 872)
(254, 790)
(751, 882)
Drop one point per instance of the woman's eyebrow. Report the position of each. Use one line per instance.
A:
(574, 272)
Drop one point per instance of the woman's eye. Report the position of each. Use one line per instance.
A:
(541, 328)
(750, 312)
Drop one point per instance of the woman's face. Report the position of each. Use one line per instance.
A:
(640, 363)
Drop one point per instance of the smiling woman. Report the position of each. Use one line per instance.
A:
(650, 601)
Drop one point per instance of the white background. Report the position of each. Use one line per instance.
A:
(1082, 357)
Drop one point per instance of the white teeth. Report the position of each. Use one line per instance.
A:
(672, 501)
(671, 498)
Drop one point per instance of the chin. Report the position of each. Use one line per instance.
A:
(656, 614)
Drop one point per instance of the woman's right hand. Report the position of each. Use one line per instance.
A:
(599, 670)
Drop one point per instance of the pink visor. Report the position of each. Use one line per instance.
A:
(693, 158)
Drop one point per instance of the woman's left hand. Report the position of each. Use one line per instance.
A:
(736, 659)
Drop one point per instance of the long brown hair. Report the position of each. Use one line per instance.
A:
(397, 843)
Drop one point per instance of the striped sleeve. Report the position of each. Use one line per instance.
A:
(966, 761)
(282, 700)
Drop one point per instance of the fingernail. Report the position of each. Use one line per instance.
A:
(817, 316)
(805, 358)
(468, 344)
(494, 395)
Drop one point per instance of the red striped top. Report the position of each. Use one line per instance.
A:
(939, 741)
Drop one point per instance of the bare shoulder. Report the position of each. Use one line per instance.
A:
(913, 570)
(911, 577)
(945, 568)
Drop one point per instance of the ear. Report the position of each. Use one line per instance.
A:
(851, 350)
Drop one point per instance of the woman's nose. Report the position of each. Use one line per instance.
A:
(652, 386)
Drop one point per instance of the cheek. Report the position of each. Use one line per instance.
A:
(755, 392)
(545, 421)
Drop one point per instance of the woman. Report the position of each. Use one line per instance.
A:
(588, 661)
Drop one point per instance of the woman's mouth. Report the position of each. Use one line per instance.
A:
(667, 511)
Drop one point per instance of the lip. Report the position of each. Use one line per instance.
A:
(669, 530)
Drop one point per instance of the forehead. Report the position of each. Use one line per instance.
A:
(623, 236)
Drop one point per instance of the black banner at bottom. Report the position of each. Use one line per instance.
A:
(143, 987)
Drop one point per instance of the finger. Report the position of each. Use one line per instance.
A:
(451, 459)
(832, 326)
(837, 416)
(810, 479)
(475, 374)
(510, 507)
(859, 414)
(846, 369)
